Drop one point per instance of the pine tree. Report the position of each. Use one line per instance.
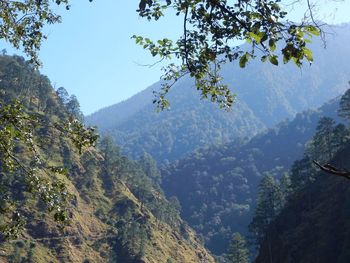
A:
(302, 172)
(340, 137)
(173, 211)
(344, 106)
(149, 166)
(109, 164)
(63, 95)
(269, 204)
(238, 251)
(285, 186)
(73, 108)
(322, 140)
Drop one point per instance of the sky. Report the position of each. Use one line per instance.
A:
(92, 55)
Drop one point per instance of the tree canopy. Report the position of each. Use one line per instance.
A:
(211, 29)
(212, 32)
(344, 107)
(238, 251)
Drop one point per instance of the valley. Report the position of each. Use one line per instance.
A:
(238, 154)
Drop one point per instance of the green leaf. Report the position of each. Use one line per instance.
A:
(256, 37)
(243, 60)
(312, 30)
(273, 59)
(272, 45)
(142, 5)
(308, 54)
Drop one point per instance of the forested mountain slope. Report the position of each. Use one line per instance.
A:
(189, 124)
(217, 186)
(117, 212)
(314, 225)
(266, 95)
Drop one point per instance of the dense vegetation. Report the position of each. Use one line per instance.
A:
(110, 208)
(169, 135)
(27, 119)
(115, 209)
(312, 225)
(217, 187)
(265, 96)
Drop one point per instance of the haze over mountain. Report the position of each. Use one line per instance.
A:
(266, 94)
(217, 186)
(119, 203)
(267, 182)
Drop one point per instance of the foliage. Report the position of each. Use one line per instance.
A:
(25, 168)
(286, 186)
(176, 133)
(17, 131)
(210, 32)
(344, 109)
(214, 26)
(238, 251)
(266, 99)
(320, 147)
(322, 138)
(127, 221)
(314, 222)
(73, 108)
(132, 217)
(22, 23)
(149, 166)
(110, 163)
(269, 204)
(314, 197)
(217, 186)
(325, 143)
(302, 173)
(327, 140)
(142, 178)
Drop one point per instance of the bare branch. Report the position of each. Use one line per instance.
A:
(333, 170)
(150, 65)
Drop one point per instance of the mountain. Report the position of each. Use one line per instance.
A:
(116, 211)
(217, 186)
(171, 134)
(314, 224)
(266, 95)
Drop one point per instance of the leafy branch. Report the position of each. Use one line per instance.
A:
(210, 40)
(24, 167)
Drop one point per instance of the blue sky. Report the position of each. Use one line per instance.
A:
(91, 54)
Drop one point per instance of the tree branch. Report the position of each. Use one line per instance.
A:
(189, 66)
(333, 170)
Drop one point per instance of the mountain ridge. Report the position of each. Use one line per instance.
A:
(217, 186)
(114, 211)
(314, 224)
(266, 95)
